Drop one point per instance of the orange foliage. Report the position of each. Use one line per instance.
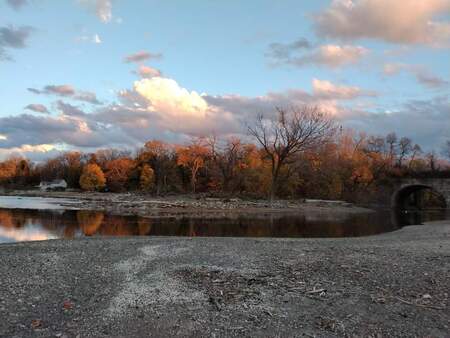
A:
(118, 172)
(147, 178)
(192, 157)
(92, 178)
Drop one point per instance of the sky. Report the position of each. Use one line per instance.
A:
(89, 74)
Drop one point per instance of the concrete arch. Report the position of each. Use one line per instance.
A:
(402, 193)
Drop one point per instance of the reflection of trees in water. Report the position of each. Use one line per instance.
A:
(6, 219)
(70, 223)
(274, 226)
(119, 226)
(89, 221)
(144, 226)
(9, 220)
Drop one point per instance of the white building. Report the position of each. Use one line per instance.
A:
(55, 185)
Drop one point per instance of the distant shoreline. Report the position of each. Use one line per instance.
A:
(189, 205)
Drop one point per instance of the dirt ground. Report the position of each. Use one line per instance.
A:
(390, 285)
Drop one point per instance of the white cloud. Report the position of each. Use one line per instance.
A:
(336, 56)
(168, 106)
(26, 150)
(405, 21)
(167, 97)
(102, 8)
(327, 90)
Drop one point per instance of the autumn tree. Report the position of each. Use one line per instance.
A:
(67, 166)
(92, 178)
(118, 173)
(103, 156)
(193, 157)
(159, 156)
(147, 178)
(251, 172)
(8, 170)
(71, 166)
(295, 130)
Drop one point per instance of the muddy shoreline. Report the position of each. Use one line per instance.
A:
(187, 205)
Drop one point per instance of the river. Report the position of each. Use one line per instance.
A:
(36, 218)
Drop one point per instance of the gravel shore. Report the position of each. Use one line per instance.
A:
(185, 205)
(395, 284)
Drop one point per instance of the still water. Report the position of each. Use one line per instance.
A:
(41, 219)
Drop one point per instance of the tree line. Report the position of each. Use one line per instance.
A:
(302, 153)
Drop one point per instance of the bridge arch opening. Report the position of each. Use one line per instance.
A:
(418, 196)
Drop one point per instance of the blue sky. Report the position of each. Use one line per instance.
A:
(219, 63)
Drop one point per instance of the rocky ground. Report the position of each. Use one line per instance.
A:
(188, 205)
(390, 285)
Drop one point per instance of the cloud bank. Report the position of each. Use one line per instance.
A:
(160, 107)
(404, 22)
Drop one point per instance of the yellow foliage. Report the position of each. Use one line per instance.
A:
(147, 178)
(92, 178)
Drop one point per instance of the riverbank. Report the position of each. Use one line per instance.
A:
(395, 284)
(185, 205)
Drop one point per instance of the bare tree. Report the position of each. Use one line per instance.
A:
(416, 150)
(226, 158)
(391, 141)
(376, 144)
(432, 161)
(295, 130)
(405, 147)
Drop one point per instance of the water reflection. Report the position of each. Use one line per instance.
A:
(27, 225)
